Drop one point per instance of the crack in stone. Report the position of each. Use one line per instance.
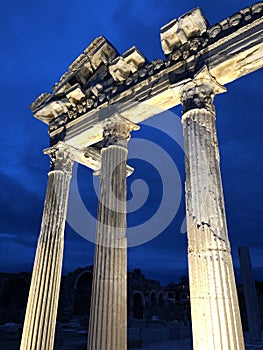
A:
(203, 224)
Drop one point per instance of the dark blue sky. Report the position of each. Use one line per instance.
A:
(38, 42)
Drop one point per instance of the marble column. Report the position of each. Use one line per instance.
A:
(251, 299)
(108, 313)
(41, 312)
(215, 313)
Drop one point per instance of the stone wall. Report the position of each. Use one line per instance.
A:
(153, 333)
(14, 291)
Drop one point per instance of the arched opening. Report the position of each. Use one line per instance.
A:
(138, 305)
(82, 293)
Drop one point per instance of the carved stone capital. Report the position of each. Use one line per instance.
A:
(117, 132)
(198, 95)
(61, 158)
(200, 92)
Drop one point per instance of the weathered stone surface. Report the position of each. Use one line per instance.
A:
(79, 113)
(41, 312)
(178, 32)
(108, 315)
(215, 314)
(134, 58)
(122, 67)
(144, 88)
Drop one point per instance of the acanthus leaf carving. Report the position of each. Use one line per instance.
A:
(197, 95)
(61, 158)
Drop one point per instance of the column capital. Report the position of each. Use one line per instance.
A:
(117, 131)
(61, 158)
(199, 92)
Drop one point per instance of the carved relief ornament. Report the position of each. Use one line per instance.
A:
(200, 92)
(61, 158)
(117, 132)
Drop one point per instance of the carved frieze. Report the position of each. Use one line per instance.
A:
(100, 76)
(41, 100)
(178, 32)
(234, 22)
(134, 58)
(122, 67)
(58, 122)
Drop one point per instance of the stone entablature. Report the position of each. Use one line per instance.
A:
(100, 77)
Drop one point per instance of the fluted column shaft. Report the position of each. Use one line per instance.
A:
(108, 314)
(214, 305)
(41, 312)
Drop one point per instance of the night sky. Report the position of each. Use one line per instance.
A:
(39, 40)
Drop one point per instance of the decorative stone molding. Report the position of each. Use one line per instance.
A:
(196, 95)
(104, 77)
(178, 32)
(120, 69)
(117, 132)
(134, 58)
(200, 92)
(61, 158)
(234, 22)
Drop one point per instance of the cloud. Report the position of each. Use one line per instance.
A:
(21, 211)
(7, 236)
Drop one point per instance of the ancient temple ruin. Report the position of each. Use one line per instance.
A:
(90, 115)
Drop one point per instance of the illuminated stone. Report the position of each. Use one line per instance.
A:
(78, 115)
(215, 313)
(178, 32)
(41, 311)
(108, 314)
(134, 58)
